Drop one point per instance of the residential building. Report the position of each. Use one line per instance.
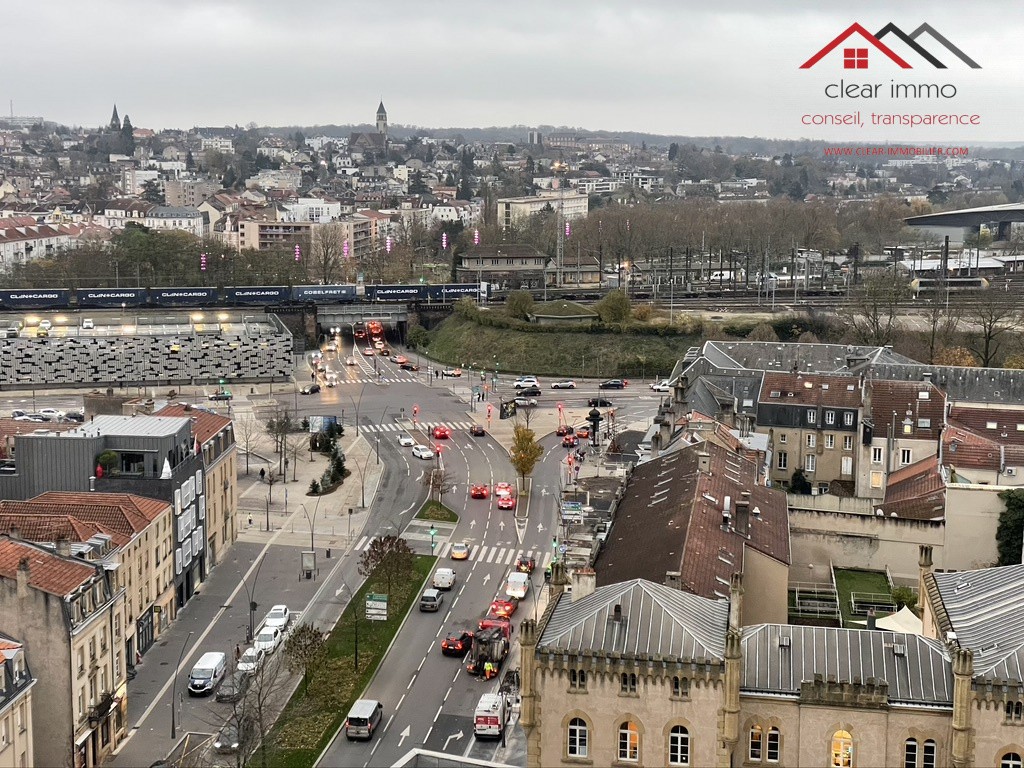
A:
(138, 529)
(67, 610)
(691, 518)
(16, 683)
(984, 445)
(514, 209)
(22, 239)
(508, 265)
(217, 143)
(189, 193)
(215, 435)
(150, 456)
(815, 422)
(262, 234)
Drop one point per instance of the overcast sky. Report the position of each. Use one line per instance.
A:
(665, 66)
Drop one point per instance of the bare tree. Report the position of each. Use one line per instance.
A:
(873, 313)
(258, 709)
(247, 429)
(294, 443)
(438, 481)
(945, 322)
(388, 557)
(305, 650)
(992, 320)
(328, 252)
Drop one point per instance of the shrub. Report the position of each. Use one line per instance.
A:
(762, 332)
(613, 308)
(314, 488)
(108, 460)
(642, 313)
(519, 305)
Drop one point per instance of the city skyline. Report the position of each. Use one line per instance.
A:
(660, 68)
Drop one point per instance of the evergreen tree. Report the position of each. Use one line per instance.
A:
(128, 136)
(230, 178)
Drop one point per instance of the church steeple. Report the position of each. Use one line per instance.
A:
(382, 120)
(115, 121)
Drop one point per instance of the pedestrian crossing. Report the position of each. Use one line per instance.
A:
(479, 553)
(427, 425)
(382, 380)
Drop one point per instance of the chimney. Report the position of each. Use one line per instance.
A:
(674, 579)
(617, 613)
(584, 582)
(926, 376)
(726, 512)
(743, 514)
(14, 533)
(704, 462)
(64, 547)
(23, 577)
(871, 618)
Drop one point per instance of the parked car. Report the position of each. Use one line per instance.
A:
(599, 402)
(310, 389)
(277, 618)
(613, 384)
(251, 660)
(51, 414)
(268, 639)
(234, 686)
(221, 395)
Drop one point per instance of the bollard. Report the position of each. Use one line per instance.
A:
(328, 553)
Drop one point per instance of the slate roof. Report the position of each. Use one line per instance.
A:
(808, 358)
(48, 572)
(670, 518)
(976, 385)
(922, 675)
(657, 620)
(983, 608)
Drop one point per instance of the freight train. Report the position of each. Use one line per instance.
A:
(232, 296)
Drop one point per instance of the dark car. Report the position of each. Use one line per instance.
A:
(234, 687)
(477, 431)
(525, 564)
(222, 395)
(564, 429)
(457, 643)
(409, 367)
(78, 416)
(570, 441)
(612, 384)
(599, 402)
(310, 389)
(234, 736)
(529, 392)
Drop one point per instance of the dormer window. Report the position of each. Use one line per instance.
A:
(830, 417)
(812, 416)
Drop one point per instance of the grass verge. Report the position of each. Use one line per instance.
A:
(850, 580)
(435, 510)
(312, 716)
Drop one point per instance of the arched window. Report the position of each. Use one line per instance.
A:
(628, 683)
(1016, 710)
(1008, 710)
(774, 745)
(629, 741)
(578, 737)
(1010, 760)
(910, 753)
(678, 746)
(842, 750)
(756, 744)
(578, 679)
(928, 760)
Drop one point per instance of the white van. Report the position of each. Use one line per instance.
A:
(444, 578)
(490, 717)
(518, 585)
(363, 719)
(207, 673)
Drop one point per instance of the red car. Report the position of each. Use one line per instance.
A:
(525, 564)
(503, 489)
(441, 432)
(479, 492)
(583, 433)
(457, 643)
(506, 502)
(490, 621)
(503, 608)
(570, 441)
(564, 429)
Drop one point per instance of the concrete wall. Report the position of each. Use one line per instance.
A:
(221, 503)
(765, 589)
(972, 516)
(859, 541)
(32, 362)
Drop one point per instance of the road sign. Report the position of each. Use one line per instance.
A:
(377, 607)
(572, 506)
(562, 549)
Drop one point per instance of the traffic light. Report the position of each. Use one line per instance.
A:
(415, 411)
(490, 410)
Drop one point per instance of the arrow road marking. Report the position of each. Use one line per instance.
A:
(539, 527)
(501, 524)
(456, 736)
(487, 577)
(472, 524)
(403, 735)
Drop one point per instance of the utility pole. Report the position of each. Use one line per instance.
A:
(671, 284)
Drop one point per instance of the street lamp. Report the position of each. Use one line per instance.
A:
(174, 685)
(355, 617)
(433, 533)
(311, 520)
(251, 594)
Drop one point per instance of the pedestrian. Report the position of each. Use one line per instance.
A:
(263, 474)
(250, 519)
(238, 652)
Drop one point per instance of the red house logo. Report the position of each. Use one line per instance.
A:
(857, 57)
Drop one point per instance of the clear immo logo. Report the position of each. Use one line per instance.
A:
(857, 58)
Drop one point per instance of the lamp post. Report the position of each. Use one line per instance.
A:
(251, 594)
(433, 533)
(311, 520)
(174, 686)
